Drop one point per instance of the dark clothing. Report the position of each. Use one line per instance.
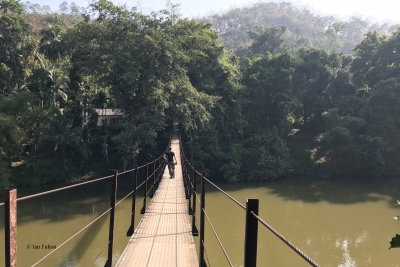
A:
(171, 169)
(170, 156)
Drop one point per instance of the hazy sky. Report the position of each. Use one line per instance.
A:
(382, 10)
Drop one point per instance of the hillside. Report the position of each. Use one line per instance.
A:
(304, 29)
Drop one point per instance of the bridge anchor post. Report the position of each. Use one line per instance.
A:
(145, 190)
(202, 261)
(132, 227)
(154, 179)
(10, 223)
(190, 186)
(112, 212)
(251, 233)
(195, 232)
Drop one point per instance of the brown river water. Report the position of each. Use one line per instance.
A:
(336, 223)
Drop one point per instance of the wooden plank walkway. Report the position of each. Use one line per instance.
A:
(163, 236)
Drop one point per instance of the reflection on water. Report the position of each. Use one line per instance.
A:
(47, 221)
(337, 223)
(341, 223)
(344, 246)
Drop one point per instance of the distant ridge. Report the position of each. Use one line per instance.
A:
(304, 29)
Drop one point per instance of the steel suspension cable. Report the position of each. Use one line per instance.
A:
(152, 184)
(130, 193)
(99, 254)
(119, 230)
(226, 194)
(195, 193)
(213, 229)
(96, 219)
(79, 184)
(218, 239)
(144, 165)
(287, 242)
(64, 188)
(72, 237)
(88, 225)
(214, 185)
(205, 250)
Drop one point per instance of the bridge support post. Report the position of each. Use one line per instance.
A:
(159, 172)
(190, 185)
(186, 182)
(251, 233)
(163, 165)
(195, 232)
(154, 179)
(184, 178)
(145, 190)
(132, 227)
(202, 262)
(112, 212)
(10, 223)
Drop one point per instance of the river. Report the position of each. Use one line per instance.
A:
(337, 223)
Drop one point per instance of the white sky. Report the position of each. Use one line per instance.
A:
(381, 11)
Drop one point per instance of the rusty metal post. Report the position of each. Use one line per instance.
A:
(132, 227)
(10, 222)
(112, 213)
(251, 233)
(195, 232)
(145, 190)
(202, 262)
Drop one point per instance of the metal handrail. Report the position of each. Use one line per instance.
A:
(261, 221)
(158, 161)
(70, 238)
(83, 183)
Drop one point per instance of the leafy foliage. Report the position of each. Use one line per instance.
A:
(144, 65)
(302, 27)
(395, 243)
(278, 107)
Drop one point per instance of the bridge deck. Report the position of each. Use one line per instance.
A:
(163, 237)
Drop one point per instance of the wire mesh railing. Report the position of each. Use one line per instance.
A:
(190, 175)
(153, 175)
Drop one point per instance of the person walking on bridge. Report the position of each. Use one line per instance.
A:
(169, 157)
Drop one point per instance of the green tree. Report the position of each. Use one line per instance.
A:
(316, 71)
(267, 40)
(15, 45)
(365, 59)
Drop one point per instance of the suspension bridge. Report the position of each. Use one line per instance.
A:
(164, 235)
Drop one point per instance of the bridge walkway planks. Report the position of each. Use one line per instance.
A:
(163, 236)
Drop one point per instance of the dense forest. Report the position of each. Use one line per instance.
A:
(300, 28)
(261, 114)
